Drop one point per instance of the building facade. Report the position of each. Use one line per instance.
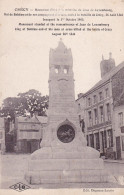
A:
(10, 138)
(29, 132)
(98, 111)
(119, 133)
(118, 105)
(2, 136)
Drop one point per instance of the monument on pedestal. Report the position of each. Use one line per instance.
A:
(64, 156)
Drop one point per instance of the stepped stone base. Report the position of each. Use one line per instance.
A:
(73, 176)
(46, 166)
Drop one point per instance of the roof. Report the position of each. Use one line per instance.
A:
(42, 119)
(106, 78)
(22, 119)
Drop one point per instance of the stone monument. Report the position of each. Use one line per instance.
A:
(64, 156)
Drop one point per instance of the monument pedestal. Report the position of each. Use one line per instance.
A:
(49, 166)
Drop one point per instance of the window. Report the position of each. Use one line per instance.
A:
(106, 93)
(100, 96)
(101, 113)
(90, 118)
(57, 70)
(82, 123)
(89, 101)
(120, 119)
(89, 114)
(95, 116)
(92, 140)
(97, 141)
(65, 70)
(110, 138)
(105, 139)
(1, 135)
(122, 138)
(94, 98)
(108, 112)
(87, 140)
(79, 119)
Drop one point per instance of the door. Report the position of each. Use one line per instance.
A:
(102, 151)
(118, 147)
(28, 147)
(34, 145)
(92, 140)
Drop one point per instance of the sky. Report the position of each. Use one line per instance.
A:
(24, 61)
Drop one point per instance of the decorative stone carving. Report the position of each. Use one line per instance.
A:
(66, 133)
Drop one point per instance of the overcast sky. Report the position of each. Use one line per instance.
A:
(25, 55)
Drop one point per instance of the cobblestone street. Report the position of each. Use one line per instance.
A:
(14, 166)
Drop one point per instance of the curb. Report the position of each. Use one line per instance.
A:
(114, 161)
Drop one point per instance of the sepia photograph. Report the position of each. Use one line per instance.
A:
(62, 96)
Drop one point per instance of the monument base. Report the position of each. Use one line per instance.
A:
(48, 166)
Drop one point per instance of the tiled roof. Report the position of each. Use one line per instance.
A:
(42, 119)
(27, 119)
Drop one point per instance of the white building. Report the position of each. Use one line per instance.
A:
(99, 111)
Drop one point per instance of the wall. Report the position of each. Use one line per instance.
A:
(2, 136)
(29, 131)
(118, 88)
(119, 127)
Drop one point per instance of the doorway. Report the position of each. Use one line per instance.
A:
(118, 147)
(28, 147)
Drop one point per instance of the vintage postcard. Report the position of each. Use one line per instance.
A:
(62, 96)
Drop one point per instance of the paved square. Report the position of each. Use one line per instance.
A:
(13, 167)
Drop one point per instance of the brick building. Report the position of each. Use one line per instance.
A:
(98, 109)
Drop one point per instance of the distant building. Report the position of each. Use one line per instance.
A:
(99, 110)
(10, 138)
(2, 136)
(29, 132)
(118, 105)
(42, 120)
(118, 124)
